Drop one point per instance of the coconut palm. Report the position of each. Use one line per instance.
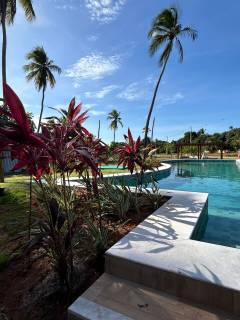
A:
(115, 120)
(40, 70)
(166, 31)
(8, 10)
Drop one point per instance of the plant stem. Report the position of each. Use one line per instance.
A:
(30, 209)
(69, 224)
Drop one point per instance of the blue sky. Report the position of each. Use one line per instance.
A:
(102, 48)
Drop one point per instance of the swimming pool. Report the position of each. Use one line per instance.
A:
(219, 178)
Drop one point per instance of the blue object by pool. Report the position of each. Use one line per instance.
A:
(221, 179)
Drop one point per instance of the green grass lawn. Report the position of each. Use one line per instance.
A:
(14, 204)
(13, 214)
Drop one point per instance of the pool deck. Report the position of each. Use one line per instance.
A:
(160, 255)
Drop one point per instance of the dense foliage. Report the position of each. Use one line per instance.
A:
(66, 215)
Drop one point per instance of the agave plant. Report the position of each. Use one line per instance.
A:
(117, 199)
(99, 236)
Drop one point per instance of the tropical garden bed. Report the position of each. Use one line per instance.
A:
(54, 235)
(30, 289)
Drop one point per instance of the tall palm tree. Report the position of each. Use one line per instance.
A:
(8, 10)
(166, 31)
(41, 70)
(115, 120)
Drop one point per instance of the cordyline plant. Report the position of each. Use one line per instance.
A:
(131, 156)
(50, 157)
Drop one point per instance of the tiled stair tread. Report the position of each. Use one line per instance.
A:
(134, 301)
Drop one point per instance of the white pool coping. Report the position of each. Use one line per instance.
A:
(76, 181)
(163, 241)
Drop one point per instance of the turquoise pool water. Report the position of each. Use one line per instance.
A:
(111, 166)
(221, 179)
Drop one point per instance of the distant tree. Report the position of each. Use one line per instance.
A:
(40, 70)
(115, 119)
(166, 30)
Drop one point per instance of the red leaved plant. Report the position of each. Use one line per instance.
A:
(130, 154)
(63, 146)
(17, 136)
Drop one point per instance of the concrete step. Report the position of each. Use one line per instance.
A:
(112, 298)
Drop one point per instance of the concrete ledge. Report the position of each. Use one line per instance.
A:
(75, 181)
(160, 253)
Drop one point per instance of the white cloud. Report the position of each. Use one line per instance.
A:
(132, 92)
(92, 38)
(167, 100)
(65, 7)
(76, 85)
(93, 112)
(101, 93)
(104, 11)
(97, 113)
(94, 66)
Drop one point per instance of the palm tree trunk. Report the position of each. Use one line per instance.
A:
(4, 42)
(42, 106)
(4, 76)
(99, 127)
(114, 135)
(153, 101)
(153, 124)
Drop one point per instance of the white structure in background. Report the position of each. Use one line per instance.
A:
(205, 154)
(238, 158)
(8, 163)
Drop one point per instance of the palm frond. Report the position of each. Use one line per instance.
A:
(156, 43)
(50, 78)
(180, 49)
(31, 75)
(157, 30)
(165, 19)
(28, 9)
(175, 15)
(120, 122)
(190, 32)
(166, 53)
(55, 68)
(10, 10)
